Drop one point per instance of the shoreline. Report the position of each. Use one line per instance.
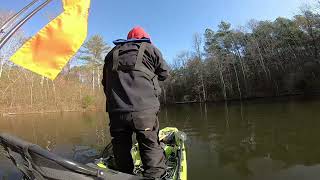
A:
(294, 95)
(298, 94)
(8, 114)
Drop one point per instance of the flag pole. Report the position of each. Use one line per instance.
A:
(15, 17)
(20, 23)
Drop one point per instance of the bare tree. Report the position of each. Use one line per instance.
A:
(197, 43)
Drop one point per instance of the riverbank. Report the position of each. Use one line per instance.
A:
(97, 107)
(295, 94)
(25, 112)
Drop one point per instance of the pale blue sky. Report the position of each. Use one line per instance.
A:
(171, 23)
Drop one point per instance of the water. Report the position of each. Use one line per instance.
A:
(258, 140)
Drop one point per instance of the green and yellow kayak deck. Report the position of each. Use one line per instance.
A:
(172, 141)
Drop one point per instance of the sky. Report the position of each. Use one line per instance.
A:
(171, 23)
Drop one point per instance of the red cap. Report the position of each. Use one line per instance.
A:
(138, 33)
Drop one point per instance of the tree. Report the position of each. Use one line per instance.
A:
(197, 43)
(93, 52)
(269, 58)
(309, 22)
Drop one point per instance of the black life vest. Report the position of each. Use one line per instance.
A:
(138, 66)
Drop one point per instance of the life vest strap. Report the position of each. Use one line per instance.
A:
(139, 63)
(115, 62)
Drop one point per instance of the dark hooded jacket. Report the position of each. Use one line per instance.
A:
(130, 89)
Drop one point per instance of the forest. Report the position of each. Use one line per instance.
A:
(259, 59)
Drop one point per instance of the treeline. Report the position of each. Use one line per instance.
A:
(263, 59)
(77, 88)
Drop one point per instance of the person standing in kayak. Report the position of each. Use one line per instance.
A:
(131, 73)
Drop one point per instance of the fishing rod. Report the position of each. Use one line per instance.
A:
(11, 20)
(22, 21)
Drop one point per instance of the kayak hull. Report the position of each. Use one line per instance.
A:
(37, 163)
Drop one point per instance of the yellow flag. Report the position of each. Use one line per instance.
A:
(52, 47)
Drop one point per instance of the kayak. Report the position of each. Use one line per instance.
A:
(37, 163)
(172, 141)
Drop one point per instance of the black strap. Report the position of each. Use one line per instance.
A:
(17, 163)
(141, 67)
(36, 171)
(139, 63)
(140, 54)
(115, 60)
(29, 170)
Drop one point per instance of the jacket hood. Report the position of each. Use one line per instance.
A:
(123, 41)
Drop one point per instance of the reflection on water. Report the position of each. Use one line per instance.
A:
(67, 134)
(251, 140)
(255, 140)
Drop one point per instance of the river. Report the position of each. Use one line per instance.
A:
(274, 139)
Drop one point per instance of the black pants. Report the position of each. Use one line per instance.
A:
(146, 126)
